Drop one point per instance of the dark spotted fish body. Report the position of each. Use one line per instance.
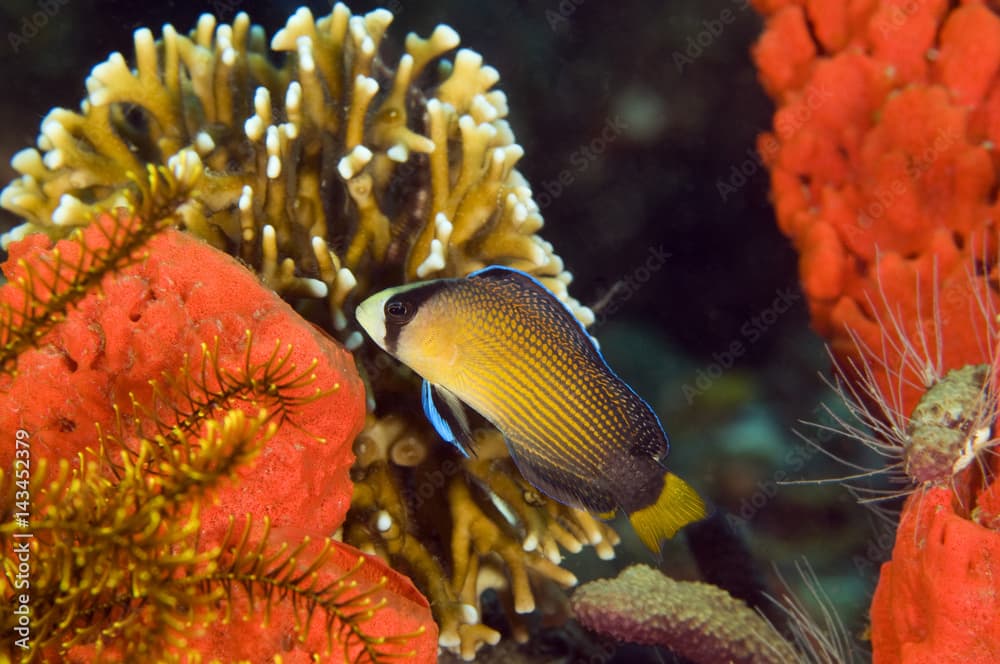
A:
(504, 345)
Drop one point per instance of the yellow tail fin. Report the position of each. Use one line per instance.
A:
(677, 506)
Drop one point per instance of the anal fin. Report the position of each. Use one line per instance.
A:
(558, 483)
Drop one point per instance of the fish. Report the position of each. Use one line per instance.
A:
(504, 345)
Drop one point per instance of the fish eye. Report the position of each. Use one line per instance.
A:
(398, 312)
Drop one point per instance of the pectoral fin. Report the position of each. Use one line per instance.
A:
(447, 416)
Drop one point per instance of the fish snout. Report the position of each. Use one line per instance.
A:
(370, 315)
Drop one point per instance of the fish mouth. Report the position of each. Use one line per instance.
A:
(370, 316)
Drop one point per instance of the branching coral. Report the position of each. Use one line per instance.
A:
(132, 534)
(412, 173)
(502, 534)
(334, 174)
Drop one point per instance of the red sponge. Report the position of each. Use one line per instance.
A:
(143, 325)
(938, 599)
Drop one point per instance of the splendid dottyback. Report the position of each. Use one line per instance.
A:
(503, 344)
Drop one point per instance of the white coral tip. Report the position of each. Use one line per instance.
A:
(14, 235)
(254, 128)
(184, 164)
(442, 227)
(468, 58)
(470, 615)
(490, 76)
(352, 163)
(520, 213)
(445, 37)
(483, 109)
(366, 85)
(203, 142)
(143, 37)
(586, 316)
(304, 48)
(273, 166)
(398, 153)
(449, 640)
(315, 288)
(434, 260)
(345, 280)
(246, 198)
(293, 96)
(273, 143)
(54, 159)
(262, 101)
(354, 341)
(69, 209)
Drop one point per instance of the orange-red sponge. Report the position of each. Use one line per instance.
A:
(141, 325)
(884, 161)
(885, 144)
(148, 322)
(938, 599)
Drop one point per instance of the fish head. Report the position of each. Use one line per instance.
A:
(411, 323)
